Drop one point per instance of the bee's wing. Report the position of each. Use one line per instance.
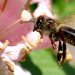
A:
(68, 21)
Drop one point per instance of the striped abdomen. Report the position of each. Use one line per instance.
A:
(67, 34)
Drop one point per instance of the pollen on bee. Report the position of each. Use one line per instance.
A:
(60, 52)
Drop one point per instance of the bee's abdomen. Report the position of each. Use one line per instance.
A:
(68, 35)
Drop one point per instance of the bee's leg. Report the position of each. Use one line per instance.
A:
(41, 34)
(35, 28)
(52, 41)
(64, 51)
(59, 53)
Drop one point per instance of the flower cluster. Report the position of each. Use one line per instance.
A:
(12, 54)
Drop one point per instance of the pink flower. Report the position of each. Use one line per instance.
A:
(11, 29)
(11, 13)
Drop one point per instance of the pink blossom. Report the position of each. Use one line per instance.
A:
(11, 13)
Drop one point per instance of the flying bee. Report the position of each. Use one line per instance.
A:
(62, 31)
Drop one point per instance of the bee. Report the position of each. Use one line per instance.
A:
(62, 31)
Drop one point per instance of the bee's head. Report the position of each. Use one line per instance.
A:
(44, 23)
(39, 23)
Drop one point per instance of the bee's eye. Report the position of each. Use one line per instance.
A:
(39, 22)
(50, 21)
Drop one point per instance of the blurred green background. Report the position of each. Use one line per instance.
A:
(63, 7)
(43, 62)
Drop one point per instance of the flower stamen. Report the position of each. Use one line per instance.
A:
(4, 5)
(26, 40)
